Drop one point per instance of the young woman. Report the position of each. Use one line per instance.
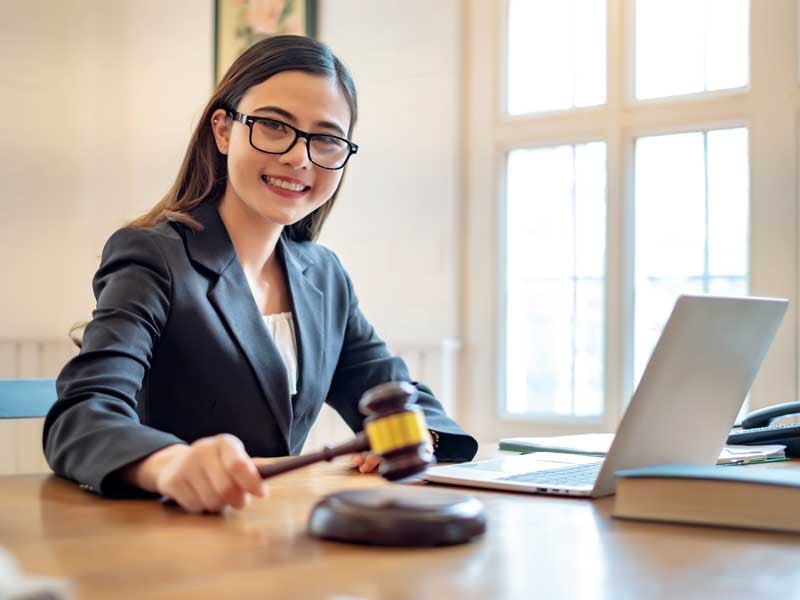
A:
(221, 326)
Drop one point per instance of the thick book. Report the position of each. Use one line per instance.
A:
(746, 496)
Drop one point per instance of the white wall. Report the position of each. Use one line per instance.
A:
(98, 99)
(395, 226)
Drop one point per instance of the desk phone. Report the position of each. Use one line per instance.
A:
(757, 428)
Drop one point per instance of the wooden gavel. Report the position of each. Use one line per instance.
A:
(394, 429)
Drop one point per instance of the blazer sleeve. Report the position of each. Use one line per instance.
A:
(93, 429)
(365, 361)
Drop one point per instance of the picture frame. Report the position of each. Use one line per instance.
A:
(238, 24)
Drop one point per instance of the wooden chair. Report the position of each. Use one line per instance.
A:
(23, 403)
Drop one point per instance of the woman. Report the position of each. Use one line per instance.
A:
(221, 327)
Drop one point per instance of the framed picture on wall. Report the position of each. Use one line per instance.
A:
(238, 24)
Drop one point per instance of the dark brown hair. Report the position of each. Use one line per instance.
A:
(203, 174)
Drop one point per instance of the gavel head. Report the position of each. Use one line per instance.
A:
(396, 429)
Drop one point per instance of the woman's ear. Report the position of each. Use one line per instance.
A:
(221, 126)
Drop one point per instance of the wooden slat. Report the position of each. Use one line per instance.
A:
(29, 453)
(29, 358)
(8, 447)
(8, 359)
(54, 356)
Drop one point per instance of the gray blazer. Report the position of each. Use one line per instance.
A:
(176, 350)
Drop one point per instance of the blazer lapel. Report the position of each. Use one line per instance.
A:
(309, 317)
(231, 296)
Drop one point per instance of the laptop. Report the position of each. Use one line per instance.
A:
(682, 411)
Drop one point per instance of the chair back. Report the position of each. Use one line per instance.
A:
(26, 398)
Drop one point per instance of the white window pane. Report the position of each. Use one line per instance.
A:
(670, 206)
(540, 216)
(691, 46)
(669, 47)
(555, 269)
(728, 286)
(728, 199)
(727, 44)
(540, 343)
(589, 48)
(557, 336)
(590, 209)
(556, 54)
(589, 382)
(702, 246)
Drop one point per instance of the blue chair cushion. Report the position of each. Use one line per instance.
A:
(26, 398)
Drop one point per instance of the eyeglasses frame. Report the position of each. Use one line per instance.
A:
(249, 120)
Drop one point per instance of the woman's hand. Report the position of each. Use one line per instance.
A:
(366, 462)
(205, 476)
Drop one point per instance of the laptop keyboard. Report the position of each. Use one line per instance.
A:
(584, 474)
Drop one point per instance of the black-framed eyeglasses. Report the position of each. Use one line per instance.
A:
(276, 137)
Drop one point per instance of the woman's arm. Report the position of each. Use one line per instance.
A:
(93, 429)
(93, 433)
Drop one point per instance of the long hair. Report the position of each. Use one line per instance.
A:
(204, 171)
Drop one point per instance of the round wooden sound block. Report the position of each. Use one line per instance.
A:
(398, 516)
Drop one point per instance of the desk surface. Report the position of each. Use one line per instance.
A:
(535, 547)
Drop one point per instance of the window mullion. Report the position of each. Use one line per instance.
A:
(618, 244)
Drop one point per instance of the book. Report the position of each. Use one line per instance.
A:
(748, 497)
(597, 444)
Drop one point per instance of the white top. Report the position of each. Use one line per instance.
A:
(281, 328)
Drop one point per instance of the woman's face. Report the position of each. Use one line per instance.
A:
(283, 188)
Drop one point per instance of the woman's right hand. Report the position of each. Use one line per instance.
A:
(205, 476)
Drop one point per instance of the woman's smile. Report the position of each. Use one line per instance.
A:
(288, 187)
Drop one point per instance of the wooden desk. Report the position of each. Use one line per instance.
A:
(536, 547)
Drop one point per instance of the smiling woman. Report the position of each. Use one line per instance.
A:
(221, 326)
(273, 151)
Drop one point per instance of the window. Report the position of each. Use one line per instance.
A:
(589, 223)
(555, 274)
(690, 46)
(691, 230)
(556, 54)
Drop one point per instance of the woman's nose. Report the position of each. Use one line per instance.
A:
(297, 155)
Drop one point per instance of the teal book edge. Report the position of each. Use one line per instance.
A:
(587, 444)
(526, 449)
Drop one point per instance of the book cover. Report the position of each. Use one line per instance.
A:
(745, 496)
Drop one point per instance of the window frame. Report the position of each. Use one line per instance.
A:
(490, 134)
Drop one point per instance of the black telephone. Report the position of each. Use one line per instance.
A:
(756, 429)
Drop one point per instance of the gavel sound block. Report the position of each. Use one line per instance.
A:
(398, 516)
(394, 429)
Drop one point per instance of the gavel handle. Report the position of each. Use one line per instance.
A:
(357, 444)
